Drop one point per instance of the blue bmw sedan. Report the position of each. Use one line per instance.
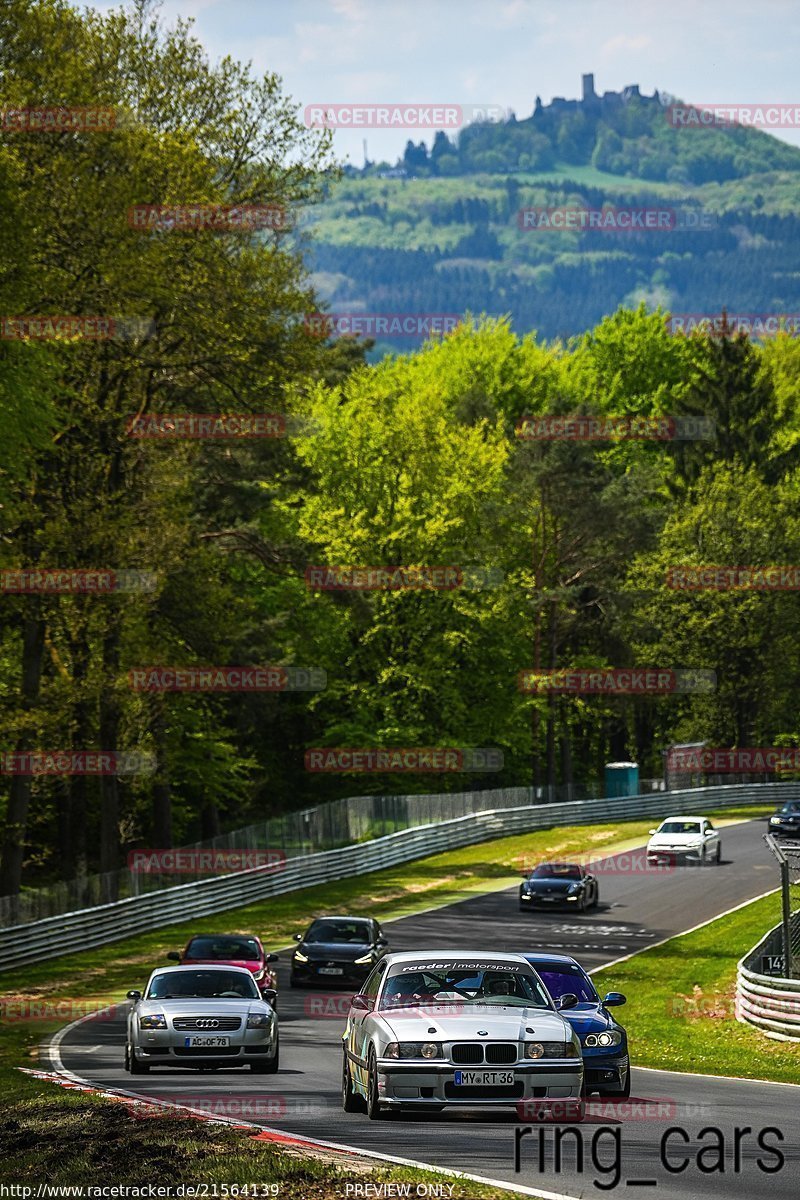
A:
(604, 1041)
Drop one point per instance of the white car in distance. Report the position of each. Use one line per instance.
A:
(685, 839)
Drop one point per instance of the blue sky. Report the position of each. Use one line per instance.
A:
(503, 52)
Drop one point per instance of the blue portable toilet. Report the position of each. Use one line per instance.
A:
(622, 779)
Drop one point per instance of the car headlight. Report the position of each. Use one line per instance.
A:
(260, 974)
(153, 1021)
(413, 1050)
(548, 1050)
(534, 1050)
(610, 1037)
(365, 958)
(257, 1020)
(575, 887)
(299, 957)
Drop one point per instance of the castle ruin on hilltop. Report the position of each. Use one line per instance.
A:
(591, 102)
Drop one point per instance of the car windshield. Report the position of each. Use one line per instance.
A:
(791, 810)
(233, 985)
(560, 980)
(355, 932)
(223, 948)
(489, 983)
(679, 827)
(556, 871)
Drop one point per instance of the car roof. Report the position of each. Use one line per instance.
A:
(340, 917)
(556, 862)
(556, 959)
(423, 956)
(683, 817)
(241, 937)
(184, 968)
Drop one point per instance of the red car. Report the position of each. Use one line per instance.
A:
(235, 950)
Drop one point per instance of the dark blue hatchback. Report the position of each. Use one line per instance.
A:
(603, 1040)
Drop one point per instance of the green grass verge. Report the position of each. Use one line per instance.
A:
(680, 1014)
(38, 1116)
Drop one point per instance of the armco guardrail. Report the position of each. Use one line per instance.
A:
(769, 1002)
(111, 922)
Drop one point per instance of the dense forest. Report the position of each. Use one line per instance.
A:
(411, 462)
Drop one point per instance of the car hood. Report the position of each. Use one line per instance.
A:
(252, 964)
(550, 885)
(589, 1018)
(675, 839)
(786, 816)
(504, 1024)
(341, 951)
(191, 1006)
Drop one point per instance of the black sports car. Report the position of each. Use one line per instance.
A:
(555, 883)
(786, 821)
(337, 950)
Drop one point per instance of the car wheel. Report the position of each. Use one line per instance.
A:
(351, 1101)
(718, 858)
(596, 900)
(374, 1110)
(268, 1066)
(134, 1065)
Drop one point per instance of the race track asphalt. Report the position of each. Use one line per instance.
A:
(620, 1156)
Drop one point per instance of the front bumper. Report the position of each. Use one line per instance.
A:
(428, 1084)
(531, 900)
(606, 1070)
(168, 1046)
(684, 855)
(314, 972)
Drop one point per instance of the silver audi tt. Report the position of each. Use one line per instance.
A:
(438, 1029)
(201, 1016)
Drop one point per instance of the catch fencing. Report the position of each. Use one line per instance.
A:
(108, 923)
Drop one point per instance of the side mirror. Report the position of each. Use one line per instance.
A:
(652, 831)
(270, 995)
(133, 996)
(568, 1000)
(298, 937)
(362, 1003)
(173, 954)
(270, 958)
(382, 941)
(614, 1000)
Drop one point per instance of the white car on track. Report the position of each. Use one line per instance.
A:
(444, 1028)
(201, 1016)
(685, 839)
